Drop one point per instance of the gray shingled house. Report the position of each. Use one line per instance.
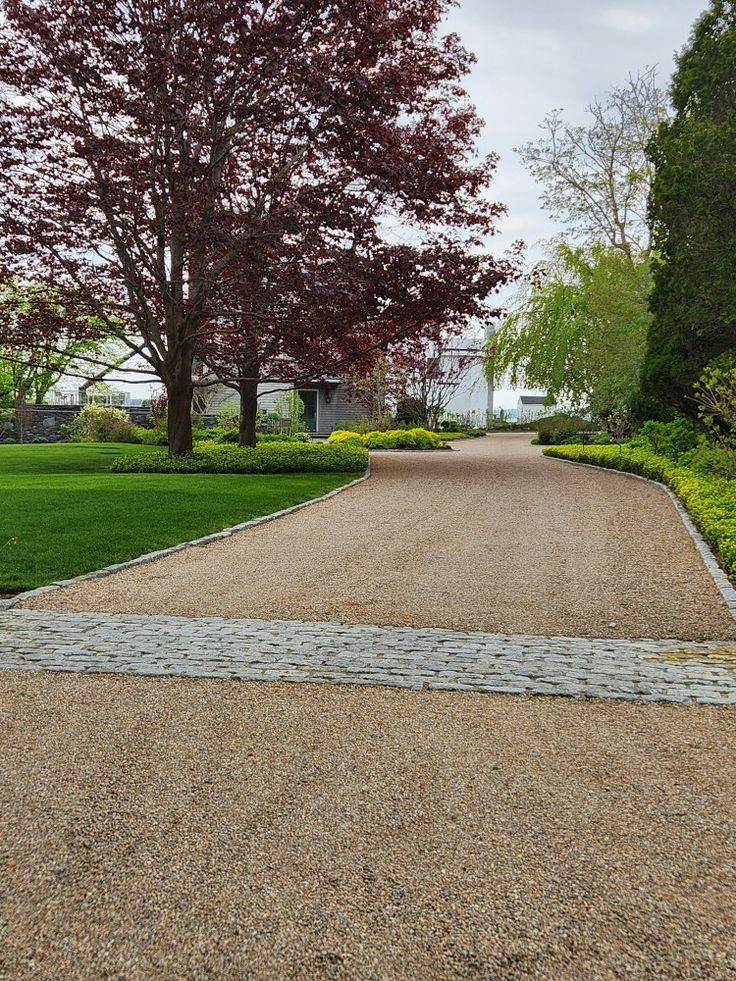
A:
(326, 402)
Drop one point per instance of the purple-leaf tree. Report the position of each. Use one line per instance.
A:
(186, 167)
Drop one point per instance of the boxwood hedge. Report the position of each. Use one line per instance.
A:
(710, 500)
(264, 458)
(393, 439)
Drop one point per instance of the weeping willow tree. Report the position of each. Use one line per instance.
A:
(580, 329)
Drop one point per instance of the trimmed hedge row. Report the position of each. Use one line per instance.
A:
(216, 434)
(264, 458)
(710, 501)
(393, 439)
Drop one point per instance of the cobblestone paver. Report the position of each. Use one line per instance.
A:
(259, 650)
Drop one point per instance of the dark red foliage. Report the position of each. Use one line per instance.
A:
(212, 174)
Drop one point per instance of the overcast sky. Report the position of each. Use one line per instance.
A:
(536, 55)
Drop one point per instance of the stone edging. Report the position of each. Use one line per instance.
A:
(108, 570)
(722, 582)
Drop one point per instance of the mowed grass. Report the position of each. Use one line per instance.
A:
(62, 514)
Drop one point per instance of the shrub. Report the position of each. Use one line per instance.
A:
(216, 434)
(393, 439)
(283, 437)
(561, 436)
(151, 437)
(718, 460)
(7, 420)
(560, 421)
(228, 416)
(344, 436)
(710, 499)
(102, 424)
(715, 397)
(668, 439)
(289, 408)
(265, 458)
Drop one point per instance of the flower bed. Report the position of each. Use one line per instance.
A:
(710, 500)
(264, 458)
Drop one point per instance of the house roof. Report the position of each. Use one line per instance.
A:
(532, 399)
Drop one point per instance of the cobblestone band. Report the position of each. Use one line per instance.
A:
(257, 650)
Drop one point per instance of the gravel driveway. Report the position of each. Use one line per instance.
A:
(178, 829)
(491, 537)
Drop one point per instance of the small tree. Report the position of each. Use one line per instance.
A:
(428, 374)
(290, 408)
(596, 177)
(715, 398)
(579, 331)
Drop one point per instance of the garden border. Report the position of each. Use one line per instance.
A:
(108, 570)
(722, 582)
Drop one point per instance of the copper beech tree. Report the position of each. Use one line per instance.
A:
(256, 178)
(340, 310)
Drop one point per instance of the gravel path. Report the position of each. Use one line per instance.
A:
(492, 537)
(182, 829)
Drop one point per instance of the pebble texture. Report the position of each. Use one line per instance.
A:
(491, 537)
(255, 650)
(172, 829)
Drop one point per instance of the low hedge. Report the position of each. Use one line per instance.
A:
(710, 500)
(393, 439)
(264, 458)
(216, 434)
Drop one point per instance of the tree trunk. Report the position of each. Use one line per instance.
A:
(180, 393)
(248, 411)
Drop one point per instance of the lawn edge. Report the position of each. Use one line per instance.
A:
(722, 583)
(109, 570)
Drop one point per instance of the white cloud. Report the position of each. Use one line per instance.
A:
(628, 21)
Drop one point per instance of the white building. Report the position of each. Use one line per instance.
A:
(473, 397)
(531, 407)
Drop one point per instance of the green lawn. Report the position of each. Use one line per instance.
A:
(68, 515)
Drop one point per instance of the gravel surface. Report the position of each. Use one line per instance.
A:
(493, 537)
(177, 829)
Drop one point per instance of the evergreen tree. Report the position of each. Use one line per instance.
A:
(693, 215)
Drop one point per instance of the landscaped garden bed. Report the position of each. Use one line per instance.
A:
(391, 439)
(267, 458)
(64, 513)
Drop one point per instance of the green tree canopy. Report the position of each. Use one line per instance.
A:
(580, 332)
(693, 214)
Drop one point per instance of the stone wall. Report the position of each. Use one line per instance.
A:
(47, 420)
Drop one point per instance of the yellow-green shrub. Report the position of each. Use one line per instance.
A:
(394, 439)
(345, 436)
(263, 458)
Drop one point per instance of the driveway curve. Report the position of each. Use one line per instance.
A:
(491, 537)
